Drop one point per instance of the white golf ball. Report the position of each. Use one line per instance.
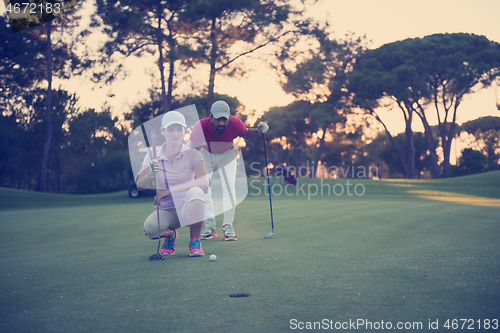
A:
(213, 257)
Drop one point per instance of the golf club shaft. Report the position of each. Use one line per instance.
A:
(158, 219)
(157, 203)
(268, 184)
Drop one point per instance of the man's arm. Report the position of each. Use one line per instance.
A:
(253, 133)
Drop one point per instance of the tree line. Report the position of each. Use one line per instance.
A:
(55, 146)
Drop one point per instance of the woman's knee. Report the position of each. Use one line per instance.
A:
(196, 194)
(196, 206)
(151, 231)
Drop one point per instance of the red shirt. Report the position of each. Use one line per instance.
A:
(204, 134)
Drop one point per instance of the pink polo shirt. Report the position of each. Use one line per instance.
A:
(176, 173)
(204, 134)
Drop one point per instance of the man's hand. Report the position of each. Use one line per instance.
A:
(262, 128)
(154, 166)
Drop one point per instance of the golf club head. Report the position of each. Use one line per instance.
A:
(269, 235)
(156, 256)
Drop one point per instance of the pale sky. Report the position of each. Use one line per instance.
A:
(383, 21)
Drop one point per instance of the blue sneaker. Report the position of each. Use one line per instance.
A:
(168, 247)
(195, 249)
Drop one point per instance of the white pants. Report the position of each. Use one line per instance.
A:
(225, 164)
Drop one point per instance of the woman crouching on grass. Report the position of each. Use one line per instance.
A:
(181, 182)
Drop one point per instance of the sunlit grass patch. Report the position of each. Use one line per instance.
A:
(455, 198)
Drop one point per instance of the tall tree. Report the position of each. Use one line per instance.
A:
(322, 79)
(418, 74)
(233, 29)
(53, 52)
(63, 109)
(19, 69)
(457, 64)
(42, 179)
(59, 52)
(157, 27)
(383, 76)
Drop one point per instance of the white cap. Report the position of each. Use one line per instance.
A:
(173, 117)
(220, 109)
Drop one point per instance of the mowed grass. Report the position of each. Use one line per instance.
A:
(404, 251)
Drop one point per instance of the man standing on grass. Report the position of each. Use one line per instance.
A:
(216, 134)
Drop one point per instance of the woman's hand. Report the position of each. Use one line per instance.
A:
(161, 195)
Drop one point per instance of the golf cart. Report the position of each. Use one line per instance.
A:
(133, 192)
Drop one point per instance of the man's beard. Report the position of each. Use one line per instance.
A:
(219, 129)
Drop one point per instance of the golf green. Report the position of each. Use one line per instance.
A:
(380, 256)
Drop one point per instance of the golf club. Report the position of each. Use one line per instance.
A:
(269, 235)
(157, 255)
